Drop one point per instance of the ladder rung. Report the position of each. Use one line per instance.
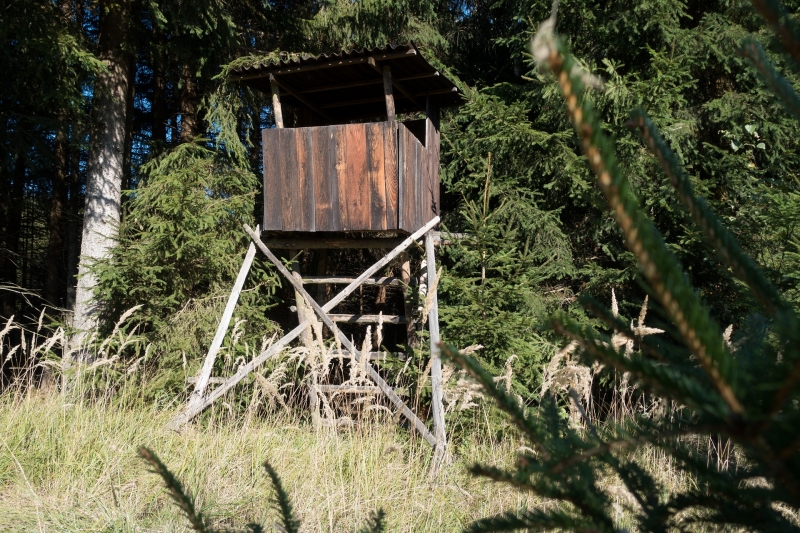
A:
(368, 319)
(375, 356)
(333, 280)
(349, 389)
(211, 381)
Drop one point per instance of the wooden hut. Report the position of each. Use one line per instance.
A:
(341, 171)
(340, 161)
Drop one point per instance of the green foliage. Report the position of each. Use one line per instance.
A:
(741, 393)
(492, 292)
(283, 505)
(180, 247)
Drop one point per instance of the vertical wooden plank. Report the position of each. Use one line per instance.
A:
(339, 161)
(320, 167)
(377, 175)
(432, 139)
(272, 190)
(390, 165)
(305, 179)
(419, 159)
(290, 196)
(401, 178)
(358, 186)
(409, 180)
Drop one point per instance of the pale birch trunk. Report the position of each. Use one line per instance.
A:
(105, 169)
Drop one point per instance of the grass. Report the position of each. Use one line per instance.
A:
(74, 467)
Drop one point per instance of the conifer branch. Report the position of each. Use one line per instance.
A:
(701, 335)
(673, 383)
(505, 401)
(534, 520)
(780, 86)
(376, 523)
(282, 502)
(183, 500)
(719, 237)
(781, 23)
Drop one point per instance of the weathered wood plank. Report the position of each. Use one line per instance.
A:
(272, 189)
(349, 389)
(333, 280)
(339, 174)
(324, 208)
(290, 195)
(418, 186)
(305, 177)
(436, 362)
(432, 144)
(368, 319)
(390, 172)
(377, 175)
(358, 186)
(204, 376)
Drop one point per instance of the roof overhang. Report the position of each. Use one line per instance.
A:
(349, 84)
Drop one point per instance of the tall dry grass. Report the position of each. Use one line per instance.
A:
(68, 461)
(74, 467)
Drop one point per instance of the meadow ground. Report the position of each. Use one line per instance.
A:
(74, 467)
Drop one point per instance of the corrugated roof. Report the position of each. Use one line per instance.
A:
(349, 84)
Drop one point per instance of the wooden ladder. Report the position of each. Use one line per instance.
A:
(316, 389)
(201, 397)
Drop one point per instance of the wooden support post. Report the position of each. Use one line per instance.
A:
(322, 271)
(204, 375)
(193, 410)
(436, 362)
(322, 314)
(387, 92)
(313, 400)
(274, 82)
(412, 339)
(303, 313)
(277, 112)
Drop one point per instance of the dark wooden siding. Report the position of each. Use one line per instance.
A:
(352, 177)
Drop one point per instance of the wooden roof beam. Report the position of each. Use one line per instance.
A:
(399, 86)
(289, 90)
(381, 99)
(363, 83)
(319, 66)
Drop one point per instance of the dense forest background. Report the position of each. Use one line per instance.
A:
(513, 176)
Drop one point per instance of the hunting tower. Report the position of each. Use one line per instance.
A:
(340, 171)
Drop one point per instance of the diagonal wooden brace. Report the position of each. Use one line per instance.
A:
(193, 409)
(323, 316)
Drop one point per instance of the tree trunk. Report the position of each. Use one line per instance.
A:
(8, 267)
(55, 281)
(189, 120)
(158, 139)
(106, 154)
(73, 226)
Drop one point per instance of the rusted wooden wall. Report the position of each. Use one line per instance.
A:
(352, 177)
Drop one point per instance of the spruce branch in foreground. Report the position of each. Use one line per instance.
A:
(719, 391)
(288, 522)
(181, 498)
